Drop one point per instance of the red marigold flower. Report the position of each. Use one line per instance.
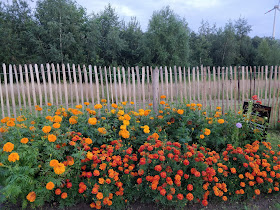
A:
(169, 197)
(163, 174)
(163, 192)
(190, 187)
(180, 196)
(158, 168)
(139, 180)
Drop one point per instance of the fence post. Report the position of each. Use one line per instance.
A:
(155, 82)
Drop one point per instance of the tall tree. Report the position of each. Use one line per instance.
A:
(168, 38)
(59, 33)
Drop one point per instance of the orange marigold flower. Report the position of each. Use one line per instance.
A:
(8, 147)
(79, 106)
(13, 157)
(64, 195)
(50, 185)
(57, 119)
(207, 131)
(58, 191)
(180, 111)
(11, 123)
(54, 163)
(31, 196)
(102, 130)
(56, 125)
(257, 191)
(96, 173)
(46, 129)
(180, 196)
(101, 181)
(59, 169)
(202, 136)
(162, 96)
(221, 121)
(233, 170)
(189, 196)
(224, 198)
(52, 138)
(169, 197)
(99, 195)
(73, 120)
(92, 121)
(86, 103)
(88, 141)
(97, 106)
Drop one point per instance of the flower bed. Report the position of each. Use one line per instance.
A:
(110, 158)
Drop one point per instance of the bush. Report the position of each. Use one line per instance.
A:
(113, 157)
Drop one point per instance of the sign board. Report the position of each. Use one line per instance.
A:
(260, 113)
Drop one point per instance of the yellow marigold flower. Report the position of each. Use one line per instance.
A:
(8, 147)
(92, 121)
(221, 121)
(151, 118)
(218, 108)
(50, 185)
(24, 140)
(31, 196)
(13, 157)
(50, 118)
(141, 112)
(79, 106)
(113, 111)
(162, 96)
(207, 131)
(5, 119)
(56, 125)
(124, 133)
(123, 127)
(59, 169)
(127, 117)
(88, 141)
(52, 138)
(202, 136)
(125, 122)
(54, 163)
(97, 106)
(73, 120)
(131, 102)
(89, 155)
(46, 129)
(57, 119)
(199, 105)
(102, 130)
(124, 103)
(11, 123)
(120, 112)
(193, 104)
(115, 106)
(180, 111)
(86, 103)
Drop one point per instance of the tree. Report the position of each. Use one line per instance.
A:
(168, 38)
(59, 33)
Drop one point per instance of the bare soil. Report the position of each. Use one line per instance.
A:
(264, 202)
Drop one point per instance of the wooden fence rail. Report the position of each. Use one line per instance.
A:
(24, 86)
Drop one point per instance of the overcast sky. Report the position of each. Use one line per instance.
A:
(194, 11)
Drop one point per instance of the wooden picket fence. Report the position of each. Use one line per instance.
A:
(24, 86)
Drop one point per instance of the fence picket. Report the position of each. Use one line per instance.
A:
(91, 84)
(6, 88)
(22, 86)
(209, 88)
(81, 84)
(214, 88)
(12, 90)
(129, 83)
(171, 84)
(71, 84)
(193, 85)
(86, 83)
(2, 100)
(65, 86)
(101, 82)
(270, 86)
(18, 88)
(97, 85)
(111, 85)
(59, 84)
(185, 85)
(161, 81)
(180, 83)
(27, 86)
(120, 84)
(143, 87)
(133, 87)
(55, 84)
(76, 85)
(107, 88)
(230, 77)
(226, 84)
(124, 82)
(235, 88)
(39, 85)
(266, 84)
(219, 86)
(166, 81)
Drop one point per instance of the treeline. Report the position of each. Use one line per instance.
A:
(60, 31)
